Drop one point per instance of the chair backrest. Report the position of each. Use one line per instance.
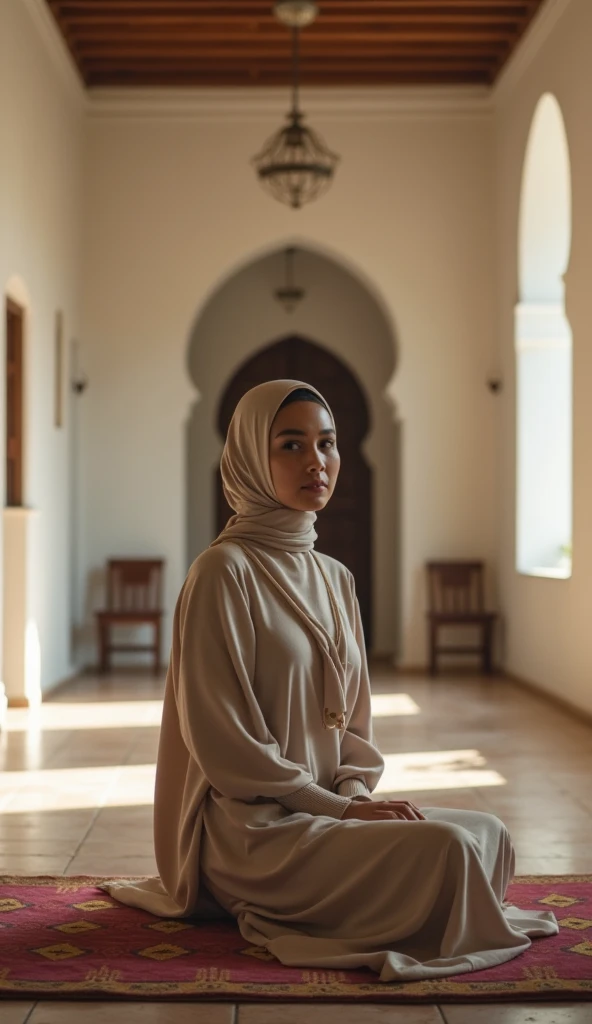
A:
(134, 584)
(455, 587)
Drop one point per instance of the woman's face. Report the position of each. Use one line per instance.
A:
(303, 457)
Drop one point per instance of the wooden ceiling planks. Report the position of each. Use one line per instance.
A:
(239, 42)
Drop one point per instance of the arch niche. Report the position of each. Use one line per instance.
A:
(340, 340)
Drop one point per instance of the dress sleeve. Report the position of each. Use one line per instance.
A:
(313, 799)
(361, 763)
(221, 722)
(354, 788)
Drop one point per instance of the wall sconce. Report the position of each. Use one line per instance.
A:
(78, 380)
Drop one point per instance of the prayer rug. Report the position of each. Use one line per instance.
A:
(66, 938)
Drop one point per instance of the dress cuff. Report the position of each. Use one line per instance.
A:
(313, 799)
(354, 788)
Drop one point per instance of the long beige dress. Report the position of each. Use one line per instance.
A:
(251, 789)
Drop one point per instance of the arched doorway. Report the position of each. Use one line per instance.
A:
(343, 317)
(344, 527)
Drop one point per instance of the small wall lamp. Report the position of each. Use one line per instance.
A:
(80, 384)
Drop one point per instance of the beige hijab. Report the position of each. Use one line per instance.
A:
(263, 525)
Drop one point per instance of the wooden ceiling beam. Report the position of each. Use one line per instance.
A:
(284, 44)
(328, 66)
(170, 80)
(215, 53)
(248, 8)
(413, 34)
(251, 26)
(189, 58)
(263, 46)
(221, 79)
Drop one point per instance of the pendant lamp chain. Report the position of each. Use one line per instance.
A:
(295, 166)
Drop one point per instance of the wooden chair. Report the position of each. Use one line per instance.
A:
(134, 597)
(456, 599)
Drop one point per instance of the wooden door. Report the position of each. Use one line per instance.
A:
(14, 404)
(345, 527)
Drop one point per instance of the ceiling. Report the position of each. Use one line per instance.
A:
(240, 43)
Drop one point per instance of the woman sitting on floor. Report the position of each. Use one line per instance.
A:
(267, 759)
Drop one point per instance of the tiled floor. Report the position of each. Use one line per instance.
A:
(76, 786)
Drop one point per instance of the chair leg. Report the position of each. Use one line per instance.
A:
(487, 644)
(156, 648)
(104, 664)
(433, 649)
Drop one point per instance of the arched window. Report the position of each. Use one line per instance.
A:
(544, 352)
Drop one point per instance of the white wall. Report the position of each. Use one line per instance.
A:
(173, 209)
(547, 620)
(40, 218)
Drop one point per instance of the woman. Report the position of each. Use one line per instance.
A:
(267, 760)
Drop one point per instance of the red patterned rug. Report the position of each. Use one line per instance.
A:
(64, 937)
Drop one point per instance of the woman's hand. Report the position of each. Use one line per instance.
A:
(377, 810)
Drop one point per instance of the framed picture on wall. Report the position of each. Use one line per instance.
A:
(59, 370)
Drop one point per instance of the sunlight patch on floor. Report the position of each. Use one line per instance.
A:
(100, 715)
(385, 705)
(57, 789)
(147, 713)
(436, 769)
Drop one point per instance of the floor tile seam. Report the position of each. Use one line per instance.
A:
(83, 840)
(30, 1013)
(132, 749)
(442, 1013)
(58, 749)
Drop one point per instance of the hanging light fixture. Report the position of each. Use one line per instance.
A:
(294, 165)
(289, 295)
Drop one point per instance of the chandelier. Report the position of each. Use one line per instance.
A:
(295, 165)
(289, 295)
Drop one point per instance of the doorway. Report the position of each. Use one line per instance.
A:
(14, 404)
(19, 647)
(344, 528)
